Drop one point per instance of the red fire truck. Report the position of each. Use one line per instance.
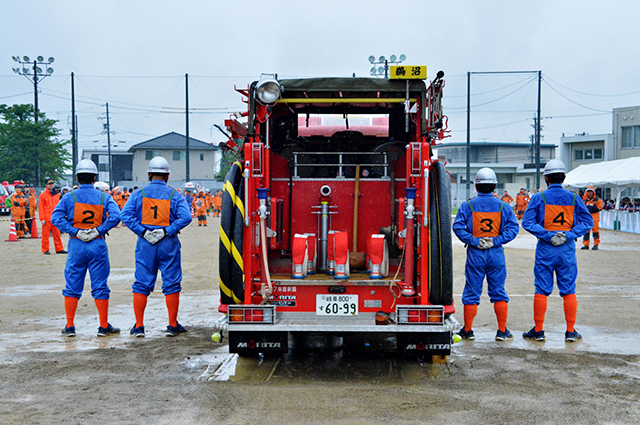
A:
(336, 216)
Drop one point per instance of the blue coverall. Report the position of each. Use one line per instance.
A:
(164, 255)
(485, 262)
(92, 255)
(559, 259)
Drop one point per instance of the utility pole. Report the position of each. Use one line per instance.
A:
(109, 145)
(186, 114)
(468, 135)
(538, 134)
(74, 141)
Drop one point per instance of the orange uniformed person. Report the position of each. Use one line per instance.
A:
(507, 198)
(522, 200)
(200, 205)
(48, 200)
(594, 205)
(18, 204)
(217, 204)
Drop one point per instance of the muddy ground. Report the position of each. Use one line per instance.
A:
(48, 379)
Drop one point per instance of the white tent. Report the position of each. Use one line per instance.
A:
(620, 174)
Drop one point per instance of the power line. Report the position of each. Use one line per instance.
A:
(591, 94)
(573, 101)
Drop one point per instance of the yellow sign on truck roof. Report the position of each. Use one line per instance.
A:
(408, 72)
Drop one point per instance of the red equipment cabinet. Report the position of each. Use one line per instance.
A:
(347, 155)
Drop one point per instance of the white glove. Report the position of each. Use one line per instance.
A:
(92, 233)
(159, 234)
(154, 236)
(560, 238)
(149, 236)
(87, 235)
(485, 243)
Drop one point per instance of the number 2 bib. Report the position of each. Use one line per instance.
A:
(87, 216)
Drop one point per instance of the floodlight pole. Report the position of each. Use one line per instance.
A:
(468, 135)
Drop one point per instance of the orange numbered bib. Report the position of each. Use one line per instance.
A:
(156, 212)
(87, 216)
(558, 218)
(486, 224)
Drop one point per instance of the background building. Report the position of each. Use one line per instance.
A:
(626, 130)
(204, 159)
(512, 162)
(121, 164)
(585, 148)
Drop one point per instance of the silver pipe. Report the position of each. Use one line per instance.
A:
(324, 228)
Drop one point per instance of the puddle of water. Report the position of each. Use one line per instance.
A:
(29, 290)
(595, 340)
(44, 334)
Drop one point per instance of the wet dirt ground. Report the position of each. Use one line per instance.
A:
(48, 379)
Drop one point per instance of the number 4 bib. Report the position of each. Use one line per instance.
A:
(558, 217)
(156, 212)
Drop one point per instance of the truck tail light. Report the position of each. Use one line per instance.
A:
(263, 314)
(420, 315)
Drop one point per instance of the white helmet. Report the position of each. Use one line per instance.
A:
(101, 186)
(486, 175)
(86, 166)
(159, 165)
(555, 166)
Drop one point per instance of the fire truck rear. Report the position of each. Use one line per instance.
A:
(336, 217)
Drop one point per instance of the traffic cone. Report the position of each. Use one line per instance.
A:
(193, 213)
(12, 232)
(34, 229)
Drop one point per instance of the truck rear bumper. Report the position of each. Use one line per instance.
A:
(303, 322)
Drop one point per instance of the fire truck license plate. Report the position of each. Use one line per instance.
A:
(336, 305)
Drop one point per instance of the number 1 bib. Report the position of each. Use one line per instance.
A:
(156, 212)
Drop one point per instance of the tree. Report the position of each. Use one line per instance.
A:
(25, 144)
(228, 158)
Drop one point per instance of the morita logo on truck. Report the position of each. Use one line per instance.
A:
(260, 344)
(422, 346)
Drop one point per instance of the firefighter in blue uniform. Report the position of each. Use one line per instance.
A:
(86, 215)
(485, 224)
(156, 213)
(557, 218)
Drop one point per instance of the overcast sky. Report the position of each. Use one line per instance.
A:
(134, 55)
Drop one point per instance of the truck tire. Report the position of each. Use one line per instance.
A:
(441, 251)
(237, 264)
(227, 216)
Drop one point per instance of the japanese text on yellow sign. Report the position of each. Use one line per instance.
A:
(408, 72)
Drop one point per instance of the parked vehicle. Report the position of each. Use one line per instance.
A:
(336, 217)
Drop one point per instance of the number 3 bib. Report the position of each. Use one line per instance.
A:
(486, 224)
(87, 216)
(156, 212)
(558, 217)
